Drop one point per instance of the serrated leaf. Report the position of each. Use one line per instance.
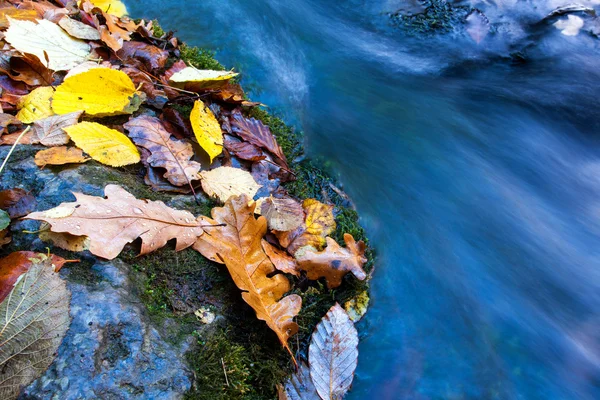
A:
(99, 91)
(103, 144)
(35, 318)
(55, 48)
(120, 218)
(59, 156)
(237, 245)
(50, 131)
(207, 129)
(35, 105)
(195, 79)
(173, 155)
(333, 354)
(224, 182)
(282, 214)
(299, 386)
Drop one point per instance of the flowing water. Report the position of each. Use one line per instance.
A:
(477, 177)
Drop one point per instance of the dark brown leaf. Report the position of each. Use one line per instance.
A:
(243, 150)
(151, 57)
(17, 202)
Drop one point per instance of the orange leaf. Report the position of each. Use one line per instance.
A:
(60, 156)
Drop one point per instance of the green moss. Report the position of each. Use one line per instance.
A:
(200, 58)
(157, 30)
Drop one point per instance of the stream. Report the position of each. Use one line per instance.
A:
(475, 169)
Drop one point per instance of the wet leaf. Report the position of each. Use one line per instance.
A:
(237, 245)
(120, 218)
(56, 49)
(318, 224)
(63, 240)
(207, 129)
(299, 386)
(194, 79)
(280, 259)
(224, 182)
(36, 105)
(17, 202)
(99, 91)
(103, 144)
(36, 320)
(173, 155)
(78, 29)
(282, 214)
(59, 156)
(243, 150)
(50, 131)
(333, 354)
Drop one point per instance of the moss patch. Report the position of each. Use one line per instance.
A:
(199, 58)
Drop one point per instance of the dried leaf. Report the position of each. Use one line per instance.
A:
(243, 150)
(98, 91)
(36, 105)
(224, 182)
(318, 224)
(280, 259)
(282, 214)
(103, 144)
(17, 202)
(207, 129)
(6, 120)
(48, 42)
(334, 262)
(78, 29)
(237, 245)
(299, 386)
(333, 354)
(50, 131)
(36, 320)
(194, 79)
(16, 13)
(173, 155)
(30, 70)
(59, 156)
(120, 218)
(149, 56)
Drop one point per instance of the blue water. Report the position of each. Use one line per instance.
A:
(478, 179)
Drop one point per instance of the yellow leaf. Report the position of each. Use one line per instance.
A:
(114, 7)
(99, 91)
(224, 182)
(35, 105)
(192, 78)
(59, 156)
(103, 144)
(56, 49)
(16, 13)
(206, 129)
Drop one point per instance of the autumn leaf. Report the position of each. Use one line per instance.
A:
(144, 55)
(16, 13)
(78, 29)
(334, 261)
(114, 7)
(55, 48)
(103, 144)
(333, 354)
(283, 215)
(59, 156)
(99, 91)
(50, 131)
(280, 259)
(63, 240)
(36, 318)
(17, 202)
(206, 129)
(194, 79)
(173, 155)
(35, 105)
(120, 218)
(224, 182)
(318, 224)
(237, 245)
(299, 386)
(6, 120)
(30, 70)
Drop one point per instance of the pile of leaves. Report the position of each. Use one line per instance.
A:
(88, 83)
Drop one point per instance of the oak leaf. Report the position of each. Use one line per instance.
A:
(55, 48)
(63, 240)
(194, 79)
(333, 354)
(280, 259)
(206, 129)
(120, 218)
(282, 214)
(173, 155)
(334, 261)
(103, 144)
(59, 156)
(318, 224)
(36, 318)
(237, 245)
(50, 131)
(98, 91)
(224, 182)
(35, 105)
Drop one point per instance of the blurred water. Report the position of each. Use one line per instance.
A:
(478, 181)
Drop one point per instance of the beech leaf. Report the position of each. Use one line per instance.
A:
(224, 182)
(299, 386)
(78, 29)
(50, 131)
(206, 129)
(120, 218)
(103, 144)
(333, 354)
(237, 245)
(55, 48)
(282, 214)
(35, 318)
(35, 105)
(59, 156)
(194, 79)
(173, 155)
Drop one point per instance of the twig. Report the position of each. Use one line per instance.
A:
(224, 371)
(13, 147)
